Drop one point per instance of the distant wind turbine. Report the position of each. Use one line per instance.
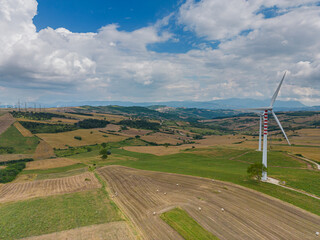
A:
(264, 115)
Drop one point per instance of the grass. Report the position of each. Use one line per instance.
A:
(219, 166)
(57, 213)
(55, 170)
(275, 158)
(186, 226)
(13, 138)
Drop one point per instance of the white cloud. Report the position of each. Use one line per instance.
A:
(114, 64)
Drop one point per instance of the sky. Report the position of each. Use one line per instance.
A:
(199, 50)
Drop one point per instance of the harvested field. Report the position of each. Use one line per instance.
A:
(89, 137)
(111, 127)
(9, 157)
(25, 132)
(246, 214)
(43, 151)
(41, 188)
(109, 231)
(5, 121)
(161, 138)
(25, 178)
(132, 132)
(50, 163)
(216, 140)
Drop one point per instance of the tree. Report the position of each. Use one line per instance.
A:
(255, 170)
(104, 153)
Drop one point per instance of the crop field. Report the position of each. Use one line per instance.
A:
(221, 208)
(5, 122)
(40, 216)
(186, 226)
(162, 138)
(9, 157)
(13, 138)
(50, 163)
(109, 231)
(25, 132)
(88, 137)
(226, 164)
(43, 151)
(41, 188)
(132, 132)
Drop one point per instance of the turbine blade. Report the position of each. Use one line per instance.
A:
(275, 95)
(277, 120)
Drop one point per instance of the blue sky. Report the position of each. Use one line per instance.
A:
(200, 50)
(89, 16)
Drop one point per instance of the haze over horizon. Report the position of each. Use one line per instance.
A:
(159, 50)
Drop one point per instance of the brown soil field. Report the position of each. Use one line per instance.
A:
(50, 163)
(162, 138)
(9, 157)
(111, 127)
(247, 214)
(64, 139)
(5, 121)
(25, 132)
(132, 132)
(107, 231)
(41, 188)
(43, 151)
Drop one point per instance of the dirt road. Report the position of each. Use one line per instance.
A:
(247, 214)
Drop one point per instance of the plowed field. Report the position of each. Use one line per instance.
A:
(40, 188)
(246, 214)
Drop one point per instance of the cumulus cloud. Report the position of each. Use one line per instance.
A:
(254, 51)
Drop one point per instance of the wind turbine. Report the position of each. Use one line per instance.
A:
(265, 126)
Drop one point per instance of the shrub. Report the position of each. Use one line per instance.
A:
(255, 171)
(92, 123)
(11, 171)
(78, 138)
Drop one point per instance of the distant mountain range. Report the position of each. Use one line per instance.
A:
(231, 103)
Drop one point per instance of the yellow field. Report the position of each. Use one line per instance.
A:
(43, 151)
(89, 137)
(162, 138)
(25, 132)
(132, 132)
(50, 163)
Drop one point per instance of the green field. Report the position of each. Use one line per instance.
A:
(20, 144)
(186, 226)
(56, 213)
(215, 163)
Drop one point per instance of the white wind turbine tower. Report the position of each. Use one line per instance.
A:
(265, 128)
